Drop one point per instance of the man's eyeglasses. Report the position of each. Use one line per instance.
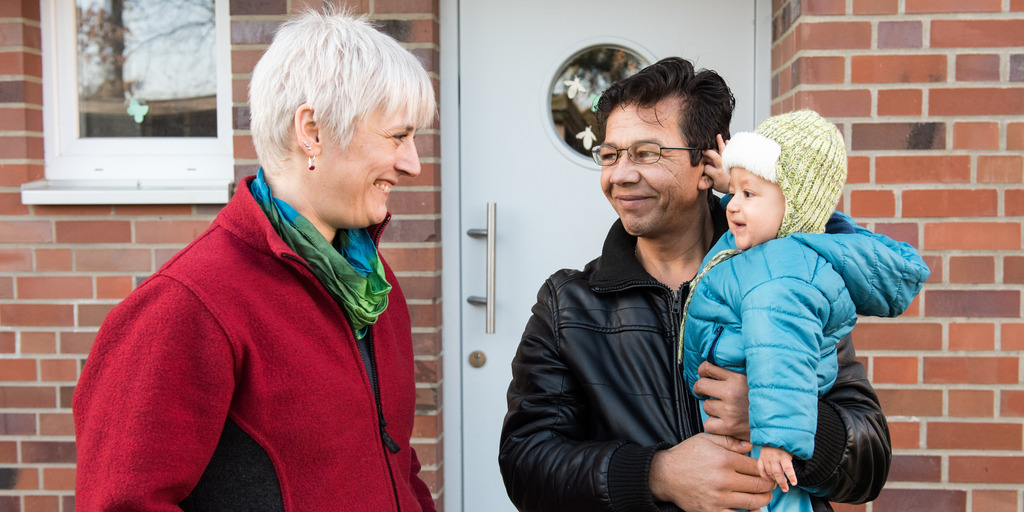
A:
(643, 153)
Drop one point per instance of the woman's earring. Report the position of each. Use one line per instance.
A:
(311, 157)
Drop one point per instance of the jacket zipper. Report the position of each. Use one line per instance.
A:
(683, 396)
(387, 441)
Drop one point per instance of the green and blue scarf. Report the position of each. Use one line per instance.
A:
(349, 268)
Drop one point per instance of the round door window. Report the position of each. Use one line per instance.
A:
(577, 88)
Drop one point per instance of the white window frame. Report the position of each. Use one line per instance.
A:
(167, 170)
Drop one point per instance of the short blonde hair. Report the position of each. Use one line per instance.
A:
(340, 66)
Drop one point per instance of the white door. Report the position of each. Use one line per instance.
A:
(550, 211)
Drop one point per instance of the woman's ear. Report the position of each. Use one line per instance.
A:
(307, 131)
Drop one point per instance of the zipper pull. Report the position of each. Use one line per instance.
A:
(386, 438)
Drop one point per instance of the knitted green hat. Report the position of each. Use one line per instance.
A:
(805, 155)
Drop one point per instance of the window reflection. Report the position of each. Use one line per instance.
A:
(146, 68)
(579, 85)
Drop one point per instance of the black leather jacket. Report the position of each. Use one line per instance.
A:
(595, 392)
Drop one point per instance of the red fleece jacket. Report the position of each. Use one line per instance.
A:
(236, 326)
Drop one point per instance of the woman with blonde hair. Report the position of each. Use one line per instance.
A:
(269, 365)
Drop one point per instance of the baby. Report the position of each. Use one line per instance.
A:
(775, 294)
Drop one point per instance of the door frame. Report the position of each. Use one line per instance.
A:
(452, 228)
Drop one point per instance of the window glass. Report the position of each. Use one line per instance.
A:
(146, 68)
(578, 86)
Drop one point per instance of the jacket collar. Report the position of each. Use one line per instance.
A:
(618, 268)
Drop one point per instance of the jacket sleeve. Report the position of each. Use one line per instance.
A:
(152, 401)
(545, 458)
(782, 326)
(852, 445)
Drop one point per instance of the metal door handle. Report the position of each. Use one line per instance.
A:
(489, 233)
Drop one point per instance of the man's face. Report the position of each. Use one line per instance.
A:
(654, 201)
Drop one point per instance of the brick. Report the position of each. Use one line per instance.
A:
(968, 33)
(910, 402)
(872, 203)
(78, 210)
(923, 169)
(915, 468)
(858, 169)
(974, 436)
(56, 424)
(427, 426)
(112, 260)
(1011, 403)
(421, 287)
(994, 500)
(900, 34)
(113, 287)
(47, 451)
(8, 451)
(242, 62)
(412, 259)
(162, 210)
(973, 303)
(894, 370)
(871, 136)
(942, 6)
(92, 315)
(426, 343)
(10, 204)
(1017, 67)
(837, 103)
(975, 135)
(17, 424)
(36, 315)
(57, 370)
(972, 269)
(901, 500)
(876, 6)
(1016, 5)
(900, 231)
(53, 260)
(897, 336)
(833, 35)
(897, 68)
(950, 203)
(982, 101)
(37, 342)
(55, 287)
(243, 147)
(971, 336)
(413, 230)
(42, 503)
(253, 31)
(1013, 269)
(6, 288)
(972, 235)
(7, 343)
(905, 435)
(59, 479)
(818, 70)
(26, 231)
(14, 260)
(900, 102)
(403, 6)
(93, 231)
(168, 232)
(21, 146)
(977, 68)
(239, 7)
(1015, 135)
(970, 370)
(18, 369)
(1002, 169)
(27, 397)
(425, 315)
(76, 342)
(986, 470)
(966, 403)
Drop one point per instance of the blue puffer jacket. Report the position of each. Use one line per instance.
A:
(776, 311)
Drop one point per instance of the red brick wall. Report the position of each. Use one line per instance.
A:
(62, 268)
(930, 97)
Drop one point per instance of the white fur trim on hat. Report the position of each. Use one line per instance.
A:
(755, 153)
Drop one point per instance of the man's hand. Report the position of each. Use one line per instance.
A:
(709, 473)
(728, 405)
(777, 464)
(713, 167)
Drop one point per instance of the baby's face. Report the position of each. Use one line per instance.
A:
(756, 209)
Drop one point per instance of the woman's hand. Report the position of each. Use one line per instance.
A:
(713, 167)
(727, 406)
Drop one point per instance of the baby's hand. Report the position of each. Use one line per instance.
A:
(713, 167)
(777, 464)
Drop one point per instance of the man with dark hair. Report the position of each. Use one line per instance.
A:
(598, 415)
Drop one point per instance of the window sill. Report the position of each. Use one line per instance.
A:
(126, 192)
